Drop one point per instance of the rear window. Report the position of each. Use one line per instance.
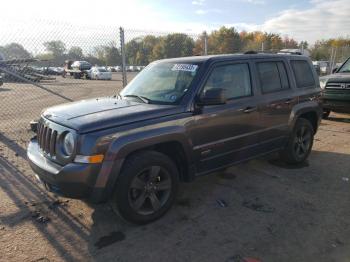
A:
(273, 76)
(303, 73)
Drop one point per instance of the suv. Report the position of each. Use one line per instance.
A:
(336, 95)
(178, 119)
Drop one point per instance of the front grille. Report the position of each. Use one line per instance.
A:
(338, 86)
(47, 138)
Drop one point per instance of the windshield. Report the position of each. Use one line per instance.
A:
(163, 83)
(101, 70)
(345, 67)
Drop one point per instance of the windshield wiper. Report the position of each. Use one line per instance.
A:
(142, 98)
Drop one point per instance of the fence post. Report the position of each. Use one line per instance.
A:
(122, 50)
(205, 43)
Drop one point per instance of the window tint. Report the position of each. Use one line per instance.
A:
(273, 76)
(234, 78)
(303, 73)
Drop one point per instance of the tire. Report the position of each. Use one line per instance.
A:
(300, 143)
(146, 187)
(326, 113)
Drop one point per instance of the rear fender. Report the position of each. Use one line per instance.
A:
(302, 108)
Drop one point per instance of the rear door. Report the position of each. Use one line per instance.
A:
(277, 100)
(306, 80)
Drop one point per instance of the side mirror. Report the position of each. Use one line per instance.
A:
(213, 96)
(334, 70)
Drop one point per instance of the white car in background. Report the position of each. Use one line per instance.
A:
(100, 73)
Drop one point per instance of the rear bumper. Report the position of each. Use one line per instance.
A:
(72, 180)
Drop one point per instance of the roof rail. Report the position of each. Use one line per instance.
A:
(250, 52)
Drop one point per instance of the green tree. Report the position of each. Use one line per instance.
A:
(177, 45)
(57, 48)
(199, 44)
(75, 53)
(108, 54)
(224, 41)
(14, 51)
(133, 50)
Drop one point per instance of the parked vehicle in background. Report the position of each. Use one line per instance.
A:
(317, 68)
(177, 119)
(324, 67)
(111, 69)
(336, 94)
(81, 65)
(77, 69)
(100, 73)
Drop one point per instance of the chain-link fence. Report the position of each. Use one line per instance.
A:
(66, 63)
(60, 63)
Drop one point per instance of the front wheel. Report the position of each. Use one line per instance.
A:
(146, 187)
(300, 143)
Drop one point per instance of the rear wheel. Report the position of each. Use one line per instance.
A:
(146, 187)
(300, 143)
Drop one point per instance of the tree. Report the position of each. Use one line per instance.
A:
(289, 43)
(57, 48)
(75, 53)
(224, 41)
(108, 54)
(112, 54)
(14, 51)
(303, 45)
(199, 44)
(133, 50)
(177, 45)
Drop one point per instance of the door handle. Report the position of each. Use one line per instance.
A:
(248, 109)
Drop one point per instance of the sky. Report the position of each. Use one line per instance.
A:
(308, 20)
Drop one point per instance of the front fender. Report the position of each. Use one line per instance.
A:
(124, 145)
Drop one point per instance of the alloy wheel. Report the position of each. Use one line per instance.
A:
(150, 190)
(302, 142)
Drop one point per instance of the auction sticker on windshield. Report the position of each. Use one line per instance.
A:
(185, 67)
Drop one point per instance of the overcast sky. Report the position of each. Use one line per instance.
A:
(302, 19)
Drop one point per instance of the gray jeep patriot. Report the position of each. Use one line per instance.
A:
(178, 119)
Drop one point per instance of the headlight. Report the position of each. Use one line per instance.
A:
(323, 83)
(68, 144)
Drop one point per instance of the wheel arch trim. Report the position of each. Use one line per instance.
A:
(122, 146)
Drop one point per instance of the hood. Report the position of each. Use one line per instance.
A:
(100, 113)
(337, 78)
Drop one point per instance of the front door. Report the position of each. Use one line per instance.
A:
(224, 134)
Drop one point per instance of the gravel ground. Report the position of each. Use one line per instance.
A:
(261, 209)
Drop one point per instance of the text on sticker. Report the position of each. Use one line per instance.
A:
(185, 67)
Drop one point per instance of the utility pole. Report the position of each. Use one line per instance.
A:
(122, 50)
(205, 43)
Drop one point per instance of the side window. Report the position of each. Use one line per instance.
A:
(234, 78)
(303, 73)
(273, 76)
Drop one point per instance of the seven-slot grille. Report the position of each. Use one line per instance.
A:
(338, 85)
(47, 138)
